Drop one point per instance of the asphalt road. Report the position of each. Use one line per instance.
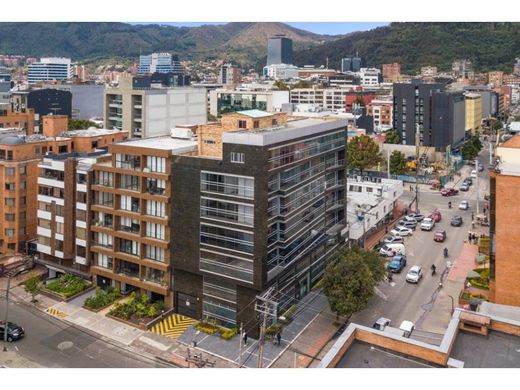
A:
(55, 344)
(404, 301)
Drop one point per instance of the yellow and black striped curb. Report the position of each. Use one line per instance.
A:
(173, 326)
(56, 312)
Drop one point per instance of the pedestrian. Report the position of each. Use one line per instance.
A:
(394, 252)
(278, 338)
(386, 229)
(245, 338)
(469, 237)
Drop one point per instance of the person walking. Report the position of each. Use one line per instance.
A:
(278, 338)
(386, 229)
(245, 338)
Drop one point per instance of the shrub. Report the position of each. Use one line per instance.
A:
(289, 314)
(102, 298)
(68, 285)
(137, 306)
(208, 328)
(273, 329)
(227, 334)
(479, 283)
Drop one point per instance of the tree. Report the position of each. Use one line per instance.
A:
(349, 283)
(374, 262)
(469, 151)
(363, 152)
(397, 163)
(497, 125)
(80, 124)
(33, 286)
(280, 84)
(392, 137)
(302, 84)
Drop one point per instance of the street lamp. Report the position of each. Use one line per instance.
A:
(6, 326)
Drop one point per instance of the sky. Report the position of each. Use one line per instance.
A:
(330, 28)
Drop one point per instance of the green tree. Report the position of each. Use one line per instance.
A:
(211, 118)
(392, 137)
(281, 85)
(469, 151)
(348, 283)
(497, 125)
(374, 262)
(302, 84)
(33, 286)
(363, 152)
(397, 163)
(475, 140)
(80, 124)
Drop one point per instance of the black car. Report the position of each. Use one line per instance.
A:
(14, 332)
(468, 180)
(456, 220)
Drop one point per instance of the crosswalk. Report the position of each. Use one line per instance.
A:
(173, 326)
(56, 313)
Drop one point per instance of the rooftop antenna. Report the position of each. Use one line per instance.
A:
(327, 63)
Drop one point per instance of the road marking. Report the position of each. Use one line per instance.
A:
(172, 326)
(380, 294)
(56, 313)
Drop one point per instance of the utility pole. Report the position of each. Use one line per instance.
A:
(476, 184)
(6, 327)
(417, 148)
(267, 307)
(262, 341)
(388, 163)
(240, 346)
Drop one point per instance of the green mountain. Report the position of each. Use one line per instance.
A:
(240, 42)
(490, 46)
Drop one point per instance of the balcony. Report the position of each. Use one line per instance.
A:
(135, 228)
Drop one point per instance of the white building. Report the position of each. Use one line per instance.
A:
(223, 101)
(160, 63)
(282, 71)
(370, 76)
(51, 68)
(330, 98)
(372, 200)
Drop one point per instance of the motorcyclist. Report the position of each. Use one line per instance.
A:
(433, 268)
(449, 205)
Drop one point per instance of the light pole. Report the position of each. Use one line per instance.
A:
(6, 326)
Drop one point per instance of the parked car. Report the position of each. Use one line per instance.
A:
(14, 332)
(473, 173)
(480, 167)
(393, 239)
(401, 231)
(427, 224)
(464, 205)
(414, 275)
(449, 192)
(407, 327)
(436, 215)
(439, 236)
(464, 187)
(456, 220)
(468, 181)
(397, 264)
(381, 323)
(390, 250)
(408, 224)
(379, 245)
(417, 217)
(409, 218)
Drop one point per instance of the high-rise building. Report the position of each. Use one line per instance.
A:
(496, 78)
(48, 69)
(279, 50)
(440, 115)
(351, 64)
(381, 112)
(473, 112)
(151, 112)
(45, 101)
(259, 213)
(428, 71)
(130, 238)
(223, 101)
(229, 74)
(160, 63)
(462, 68)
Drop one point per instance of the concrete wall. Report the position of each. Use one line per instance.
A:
(408, 150)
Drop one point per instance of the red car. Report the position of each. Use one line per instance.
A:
(449, 192)
(439, 236)
(436, 215)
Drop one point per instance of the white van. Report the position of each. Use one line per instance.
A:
(389, 249)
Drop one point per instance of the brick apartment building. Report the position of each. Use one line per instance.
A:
(16, 120)
(381, 111)
(392, 71)
(504, 189)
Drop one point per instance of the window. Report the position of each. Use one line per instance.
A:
(9, 155)
(44, 223)
(104, 178)
(155, 230)
(130, 225)
(242, 124)
(23, 185)
(274, 122)
(105, 261)
(156, 164)
(228, 185)
(209, 142)
(59, 210)
(44, 206)
(104, 240)
(81, 251)
(59, 227)
(129, 246)
(10, 201)
(156, 186)
(238, 157)
(9, 171)
(227, 211)
(154, 253)
(10, 217)
(62, 149)
(157, 209)
(226, 238)
(59, 245)
(256, 124)
(129, 203)
(81, 197)
(81, 215)
(105, 198)
(44, 240)
(10, 186)
(23, 170)
(129, 182)
(128, 161)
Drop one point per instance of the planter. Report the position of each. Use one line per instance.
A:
(103, 307)
(62, 298)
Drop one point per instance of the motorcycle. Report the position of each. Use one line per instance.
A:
(449, 205)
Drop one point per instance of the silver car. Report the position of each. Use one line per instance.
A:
(401, 231)
(427, 224)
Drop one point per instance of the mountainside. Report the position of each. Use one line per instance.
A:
(490, 46)
(242, 42)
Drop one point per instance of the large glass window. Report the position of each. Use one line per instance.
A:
(127, 161)
(157, 209)
(154, 253)
(226, 238)
(129, 246)
(105, 179)
(229, 185)
(156, 186)
(227, 211)
(156, 164)
(239, 268)
(155, 230)
(105, 261)
(219, 301)
(129, 182)
(129, 203)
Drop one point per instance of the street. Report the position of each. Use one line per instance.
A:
(53, 343)
(400, 300)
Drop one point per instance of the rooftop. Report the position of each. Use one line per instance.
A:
(513, 142)
(176, 145)
(90, 132)
(255, 113)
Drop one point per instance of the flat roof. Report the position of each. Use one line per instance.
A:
(497, 350)
(255, 113)
(293, 129)
(92, 132)
(363, 355)
(176, 145)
